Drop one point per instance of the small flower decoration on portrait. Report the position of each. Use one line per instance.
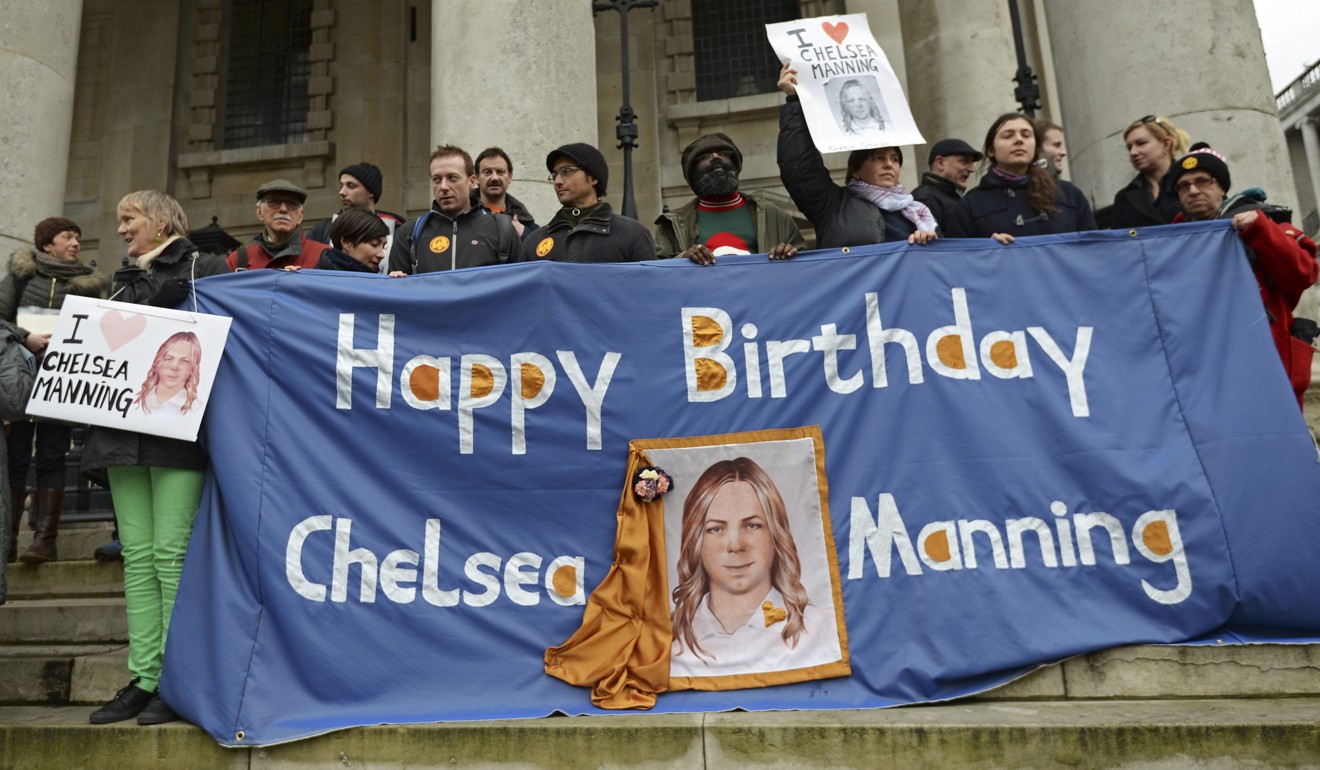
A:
(651, 482)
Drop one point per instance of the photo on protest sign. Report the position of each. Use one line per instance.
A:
(850, 95)
(133, 367)
(753, 575)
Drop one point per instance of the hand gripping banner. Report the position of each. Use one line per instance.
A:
(894, 475)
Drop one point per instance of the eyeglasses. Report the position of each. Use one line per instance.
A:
(1184, 185)
(275, 204)
(564, 171)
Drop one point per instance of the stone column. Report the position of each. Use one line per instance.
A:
(887, 26)
(38, 66)
(1199, 62)
(1311, 141)
(960, 67)
(520, 75)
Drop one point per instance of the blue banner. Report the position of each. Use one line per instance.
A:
(1031, 452)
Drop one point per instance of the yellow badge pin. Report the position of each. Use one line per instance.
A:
(440, 244)
(1189, 163)
(545, 246)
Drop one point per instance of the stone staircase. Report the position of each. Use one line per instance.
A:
(63, 649)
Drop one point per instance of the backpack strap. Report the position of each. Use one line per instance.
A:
(417, 231)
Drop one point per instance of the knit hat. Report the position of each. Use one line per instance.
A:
(368, 174)
(50, 227)
(282, 185)
(1201, 158)
(587, 158)
(705, 144)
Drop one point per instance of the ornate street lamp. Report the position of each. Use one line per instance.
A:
(626, 131)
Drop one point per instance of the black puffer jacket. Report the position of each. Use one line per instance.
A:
(334, 259)
(1133, 206)
(939, 194)
(28, 286)
(107, 447)
(996, 206)
(841, 218)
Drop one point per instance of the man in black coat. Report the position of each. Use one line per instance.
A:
(951, 164)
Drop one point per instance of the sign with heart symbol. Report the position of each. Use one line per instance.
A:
(132, 367)
(121, 328)
(851, 99)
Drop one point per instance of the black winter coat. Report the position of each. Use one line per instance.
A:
(334, 259)
(840, 218)
(600, 236)
(995, 206)
(107, 447)
(1133, 206)
(939, 194)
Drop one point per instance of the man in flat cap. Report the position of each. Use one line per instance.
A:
(951, 164)
(360, 187)
(722, 220)
(281, 243)
(585, 229)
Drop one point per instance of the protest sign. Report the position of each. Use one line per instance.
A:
(850, 95)
(133, 367)
(1013, 454)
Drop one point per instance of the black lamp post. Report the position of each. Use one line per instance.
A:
(626, 131)
(1027, 92)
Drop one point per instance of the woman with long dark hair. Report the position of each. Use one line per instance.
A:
(1019, 196)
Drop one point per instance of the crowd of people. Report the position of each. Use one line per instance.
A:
(156, 483)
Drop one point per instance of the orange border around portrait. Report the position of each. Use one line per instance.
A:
(841, 667)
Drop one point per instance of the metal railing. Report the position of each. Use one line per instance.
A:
(1291, 95)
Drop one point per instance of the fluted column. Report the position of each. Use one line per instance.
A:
(1199, 62)
(517, 74)
(960, 67)
(38, 65)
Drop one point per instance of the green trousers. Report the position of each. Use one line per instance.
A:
(155, 508)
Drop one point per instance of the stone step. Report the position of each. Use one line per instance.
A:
(76, 541)
(1153, 735)
(65, 578)
(62, 673)
(81, 620)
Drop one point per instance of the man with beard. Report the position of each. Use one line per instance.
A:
(281, 243)
(360, 187)
(721, 220)
(494, 175)
(951, 164)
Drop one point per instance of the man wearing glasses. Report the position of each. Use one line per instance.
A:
(1281, 256)
(586, 229)
(281, 243)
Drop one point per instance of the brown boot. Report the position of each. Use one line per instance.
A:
(18, 496)
(46, 510)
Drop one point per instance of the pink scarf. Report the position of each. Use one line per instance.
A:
(894, 199)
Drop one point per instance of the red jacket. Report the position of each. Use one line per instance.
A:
(1285, 266)
(257, 257)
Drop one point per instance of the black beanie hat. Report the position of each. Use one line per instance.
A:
(368, 174)
(587, 158)
(1204, 158)
(50, 227)
(709, 143)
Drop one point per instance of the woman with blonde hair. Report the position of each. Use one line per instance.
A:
(739, 599)
(1149, 199)
(170, 388)
(155, 482)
